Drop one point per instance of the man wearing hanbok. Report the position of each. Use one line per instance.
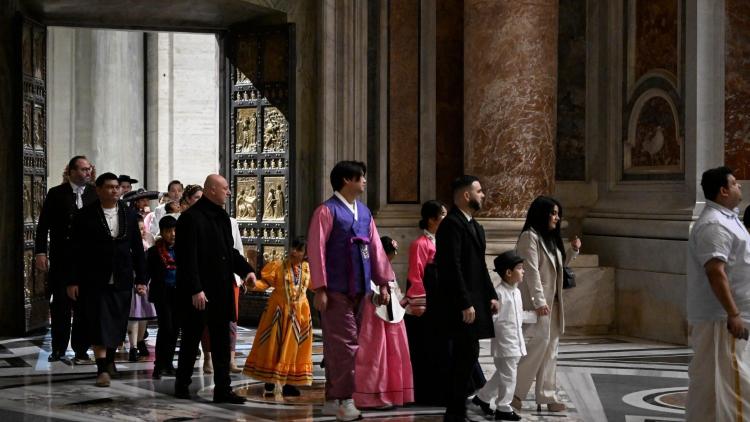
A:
(345, 253)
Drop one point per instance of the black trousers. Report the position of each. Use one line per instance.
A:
(166, 337)
(193, 322)
(465, 352)
(61, 309)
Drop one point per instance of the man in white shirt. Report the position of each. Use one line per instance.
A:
(718, 304)
(60, 204)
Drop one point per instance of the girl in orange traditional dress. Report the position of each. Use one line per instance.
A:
(282, 349)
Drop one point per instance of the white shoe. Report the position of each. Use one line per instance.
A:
(330, 407)
(347, 411)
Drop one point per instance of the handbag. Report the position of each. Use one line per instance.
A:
(569, 278)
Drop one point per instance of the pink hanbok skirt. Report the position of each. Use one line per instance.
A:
(382, 373)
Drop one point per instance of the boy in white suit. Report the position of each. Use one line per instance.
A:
(508, 346)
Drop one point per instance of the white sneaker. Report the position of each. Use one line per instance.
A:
(347, 411)
(330, 407)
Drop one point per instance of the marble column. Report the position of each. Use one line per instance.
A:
(510, 87)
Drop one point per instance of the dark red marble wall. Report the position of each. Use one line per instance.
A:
(737, 88)
(449, 61)
(656, 36)
(403, 101)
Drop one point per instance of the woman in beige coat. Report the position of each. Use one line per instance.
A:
(541, 247)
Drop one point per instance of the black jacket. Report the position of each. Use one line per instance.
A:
(206, 259)
(56, 217)
(157, 272)
(463, 280)
(97, 257)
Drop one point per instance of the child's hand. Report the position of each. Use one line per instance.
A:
(494, 306)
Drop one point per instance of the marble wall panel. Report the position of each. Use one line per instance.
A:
(403, 101)
(449, 95)
(656, 36)
(737, 88)
(510, 87)
(570, 158)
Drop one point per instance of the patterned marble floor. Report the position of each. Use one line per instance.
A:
(601, 379)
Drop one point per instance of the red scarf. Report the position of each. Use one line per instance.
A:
(166, 258)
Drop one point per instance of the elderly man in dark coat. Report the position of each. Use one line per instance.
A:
(206, 263)
(466, 296)
(107, 259)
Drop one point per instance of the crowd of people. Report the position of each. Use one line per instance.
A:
(183, 265)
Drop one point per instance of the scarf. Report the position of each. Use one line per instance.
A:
(166, 258)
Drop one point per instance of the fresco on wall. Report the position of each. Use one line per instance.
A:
(654, 144)
(737, 88)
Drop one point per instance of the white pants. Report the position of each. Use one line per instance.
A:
(540, 363)
(502, 383)
(719, 388)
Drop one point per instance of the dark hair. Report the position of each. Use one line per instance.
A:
(104, 177)
(430, 209)
(191, 190)
(713, 180)
(167, 222)
(173, 182)
(299, 243)
(346, 170)
(172, 207)
(388, 245)
(538, 218)
(462, 182)
(73, 163)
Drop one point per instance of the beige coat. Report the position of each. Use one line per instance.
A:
(543, 275)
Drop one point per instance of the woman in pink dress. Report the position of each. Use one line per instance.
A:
(382, 372)
(421, 325)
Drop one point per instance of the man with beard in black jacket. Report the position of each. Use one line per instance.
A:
(467, 298)
(206, 262)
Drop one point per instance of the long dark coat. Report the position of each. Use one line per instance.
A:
(97, 256)
(463, 280)
(206, 259)
(56, 218)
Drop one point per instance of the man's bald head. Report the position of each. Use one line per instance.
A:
(216, 189)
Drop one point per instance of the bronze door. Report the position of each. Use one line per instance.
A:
(33, 153)
(259, 152)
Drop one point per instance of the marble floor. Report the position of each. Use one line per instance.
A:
(600, 379)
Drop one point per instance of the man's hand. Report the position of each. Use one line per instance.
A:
(199, 301)
(73, 292)
(735, 326)
(542, 310)
(494, 306)
(417, 311)
(384, 297)
(320, 301)
(469, 315)
(42, 263)
(250, 281)
(140, 289)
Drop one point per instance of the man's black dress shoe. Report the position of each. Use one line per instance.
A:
(507, 416)
(289, 391)
(54, 356)
(228, 397)
(483, 405)
(182, 392)
(452, 417)
(156, 375)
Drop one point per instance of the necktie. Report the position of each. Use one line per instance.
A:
(79, 196)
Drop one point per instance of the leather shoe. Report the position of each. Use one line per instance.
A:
(452, 417)
(228, 397)
(507, 416)
(156, 375)
(182, 392)
(483, 405)
(54, 356)
(289, 391)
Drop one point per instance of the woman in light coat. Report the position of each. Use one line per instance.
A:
(541, 247)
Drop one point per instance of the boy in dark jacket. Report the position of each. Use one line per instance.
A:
(162, 270)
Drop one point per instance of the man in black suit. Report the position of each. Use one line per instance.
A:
(467, 298)
(106, 238)
(206, 263)
(61, 203)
